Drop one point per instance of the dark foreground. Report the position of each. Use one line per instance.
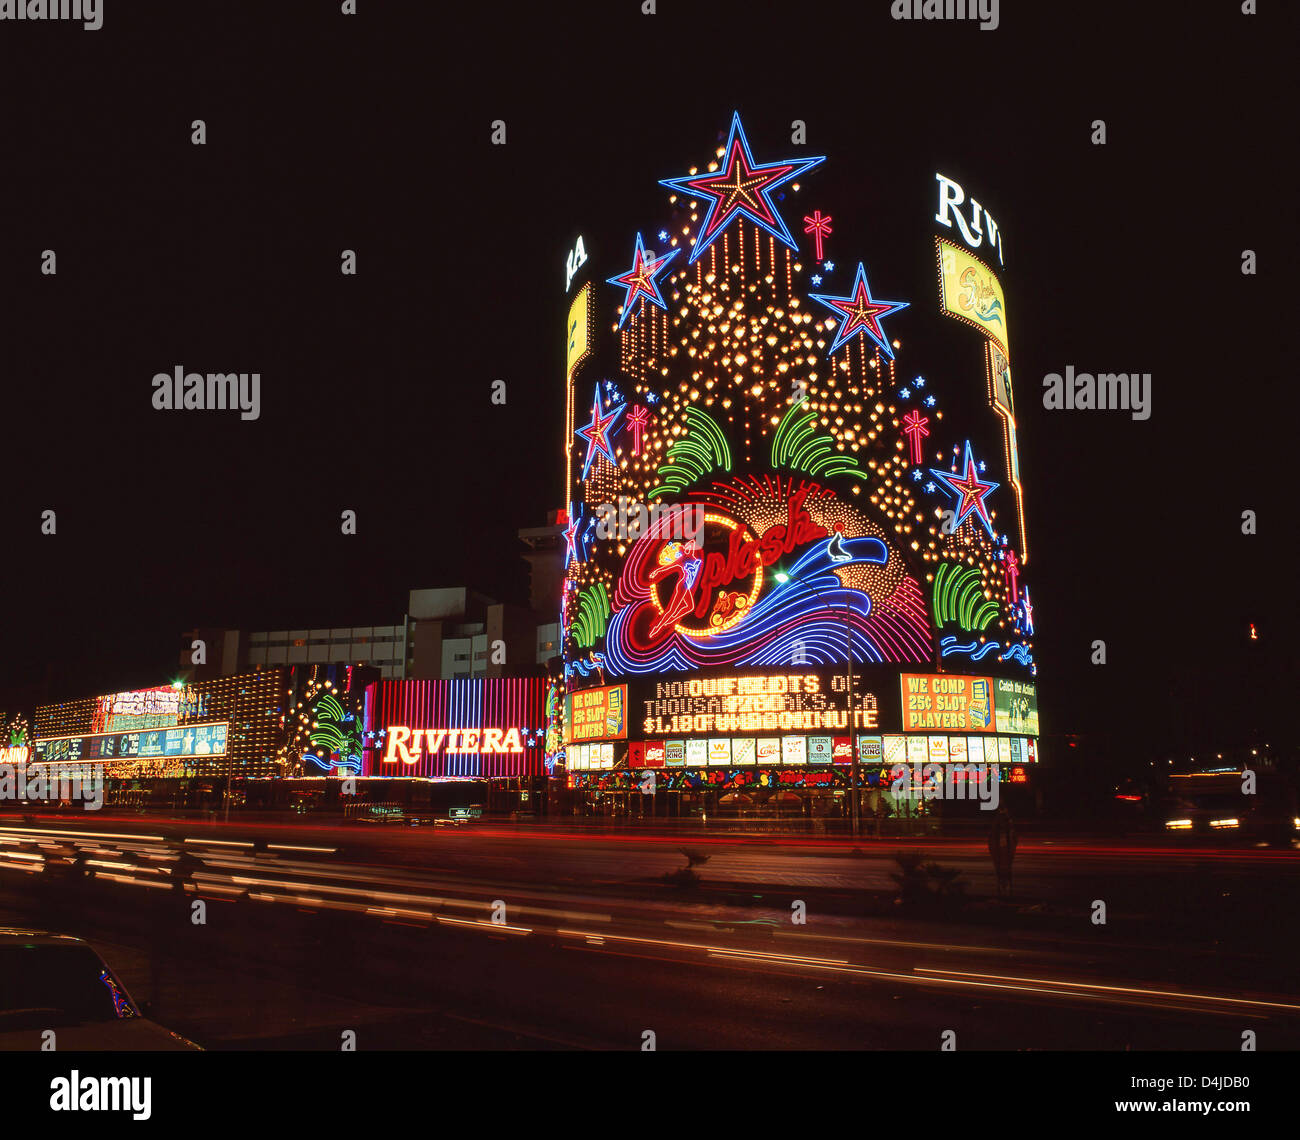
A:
(487, 937)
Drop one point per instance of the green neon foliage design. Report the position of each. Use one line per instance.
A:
(797, 444)
(593, 613)
(330, 715)
(702, 449)
(958, 598)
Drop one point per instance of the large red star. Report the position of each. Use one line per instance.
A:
(639, 281)
(598, 432)
(741, 188)
(861, 313)
(970, 491)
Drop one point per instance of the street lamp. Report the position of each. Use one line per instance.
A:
(854, 807)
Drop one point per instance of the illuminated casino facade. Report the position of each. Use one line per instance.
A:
(229, 726)
(786, 560)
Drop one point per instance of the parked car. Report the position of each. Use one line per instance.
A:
(60, 983)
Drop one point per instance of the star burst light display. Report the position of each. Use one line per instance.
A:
(598, 433)
(970, 491)
(860, 312)
(741, 188)
(641, 279)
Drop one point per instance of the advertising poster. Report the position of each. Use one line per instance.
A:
(918, 751)
(894, 750)
(975, 750)
(1004, 750)
(769, 750)
(743, 751)
(794, 750)
(654, 753)
(1015, 704)
(675, 753)
(970, 291)
(596, 714)
(957, 750)
(697, 753)
(937, 747)
(868, 750)
(819, 750)
(719, 751)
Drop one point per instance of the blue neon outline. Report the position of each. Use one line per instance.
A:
(949, 481)
(656, 265)
(829, 301)
(682, 186)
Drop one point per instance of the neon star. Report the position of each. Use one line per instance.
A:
(969, 491)
(741, 188)
(639, 281)
(598, 433)
(575, 544)
(861, 313)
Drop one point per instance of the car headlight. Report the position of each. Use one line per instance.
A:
(1178, 824)
(1225, 823)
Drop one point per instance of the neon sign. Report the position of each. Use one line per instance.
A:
(741, 189)
(407, 745)
(951, 195)
(480, 727)
(576, 259)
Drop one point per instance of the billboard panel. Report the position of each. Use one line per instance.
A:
(596, 714)
(474, 727)
(1015, 704)
(970, 291)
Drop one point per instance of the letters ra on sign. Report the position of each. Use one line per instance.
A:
(975, 228)
(576, 259)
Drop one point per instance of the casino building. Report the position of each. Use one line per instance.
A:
(795, 547)
(229, 726)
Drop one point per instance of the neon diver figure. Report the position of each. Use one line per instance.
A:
(682, 559)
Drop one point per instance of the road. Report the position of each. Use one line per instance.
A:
(491, 937)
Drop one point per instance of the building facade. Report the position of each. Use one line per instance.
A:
(795, 548)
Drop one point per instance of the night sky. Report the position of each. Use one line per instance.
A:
(372, 132)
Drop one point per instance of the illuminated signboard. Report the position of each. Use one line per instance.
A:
(1015, 704)
(596, 714)
(579, 343)
(14, 754)
(947, 700)
(575, 260)
(474, 727)
(189, 740)
(787, 470)
(1002, 398)
(980, 226)
(787, 702)
(970, 291)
